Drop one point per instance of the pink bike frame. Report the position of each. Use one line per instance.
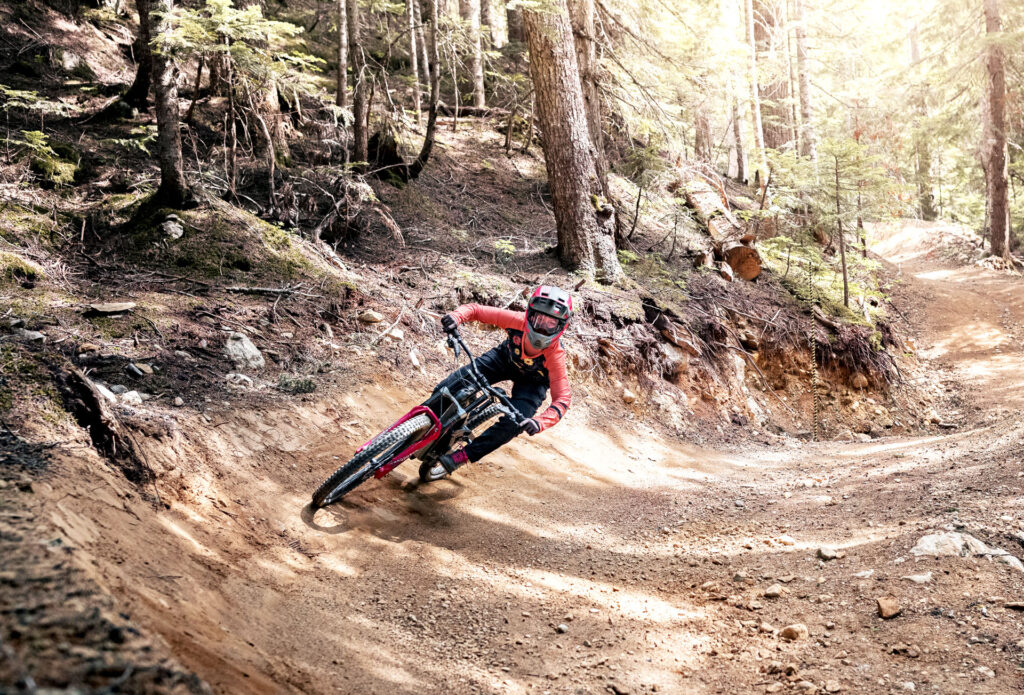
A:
(435, 432)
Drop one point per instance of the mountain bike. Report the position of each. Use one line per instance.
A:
(426, 432)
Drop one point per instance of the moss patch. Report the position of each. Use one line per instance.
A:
(57, 164)
(25, 385)
(54, 170)
(22, 226)
(14, 268)
(220, 241)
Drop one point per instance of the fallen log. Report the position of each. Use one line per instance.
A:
(744, 261)
(444, 109)
(90, 405)
(730, 241)
(822, 318)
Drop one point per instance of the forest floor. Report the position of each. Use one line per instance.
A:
(598, 558)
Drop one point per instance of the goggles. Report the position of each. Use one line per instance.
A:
(544, 324)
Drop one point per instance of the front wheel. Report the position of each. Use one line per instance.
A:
(379, 451)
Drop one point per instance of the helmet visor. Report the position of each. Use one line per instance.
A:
(544, 324)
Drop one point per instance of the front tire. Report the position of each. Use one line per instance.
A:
(379, 451)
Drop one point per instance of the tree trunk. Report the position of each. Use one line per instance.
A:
(584, 220)
(703, 143)
(737, 137)
(232, 124)
(421, 42)
(773, 93)
(268, 101)
(360, 109)
(276, 125)
(470, 12)
(173, 190)
(341, 98)
(137, 95)
(216, 62)
(860, 222)
(490, 32)
(584, 32)
(923, 165)
(414, 58)
(435, 95)
(581, 13)
(794, 118)
(808, 140)
(755, 101)
(453, 66)
(922, 147)
(195, 89)
(514, 20)
(995, 144)
(842, 242)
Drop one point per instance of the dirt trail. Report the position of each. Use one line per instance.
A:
(653, 556)
(971, 319)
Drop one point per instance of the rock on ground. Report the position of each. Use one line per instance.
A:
(954, 544)
(244, 353)
(794, 632)
(888, 607)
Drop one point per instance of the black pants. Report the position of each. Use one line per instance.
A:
(528, 392)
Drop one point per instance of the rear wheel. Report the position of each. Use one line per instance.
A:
(379, 451)
(488, 413)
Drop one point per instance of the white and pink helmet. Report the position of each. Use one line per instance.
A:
(547, 315)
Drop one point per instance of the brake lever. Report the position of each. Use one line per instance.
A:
(454, 345)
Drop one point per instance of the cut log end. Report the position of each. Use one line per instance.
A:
(744, 261)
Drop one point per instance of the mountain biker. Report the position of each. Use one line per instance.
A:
(531, 357)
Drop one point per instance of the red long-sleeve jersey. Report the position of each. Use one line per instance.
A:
(550, 361)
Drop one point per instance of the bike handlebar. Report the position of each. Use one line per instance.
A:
(455, 342)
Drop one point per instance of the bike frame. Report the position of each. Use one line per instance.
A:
(461, 414)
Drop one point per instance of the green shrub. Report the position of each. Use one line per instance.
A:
(295, 384)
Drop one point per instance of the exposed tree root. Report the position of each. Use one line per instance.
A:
(109, 436)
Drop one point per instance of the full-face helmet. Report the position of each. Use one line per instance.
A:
(547, 315)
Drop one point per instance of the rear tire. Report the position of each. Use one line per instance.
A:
(491, 411)
(379, 451)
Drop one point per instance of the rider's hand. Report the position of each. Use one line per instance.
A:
(449, 323)
(531, 427)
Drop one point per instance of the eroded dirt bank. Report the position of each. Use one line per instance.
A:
(589, 560)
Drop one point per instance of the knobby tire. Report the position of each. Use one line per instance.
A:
(378, 452)
(483, 416)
